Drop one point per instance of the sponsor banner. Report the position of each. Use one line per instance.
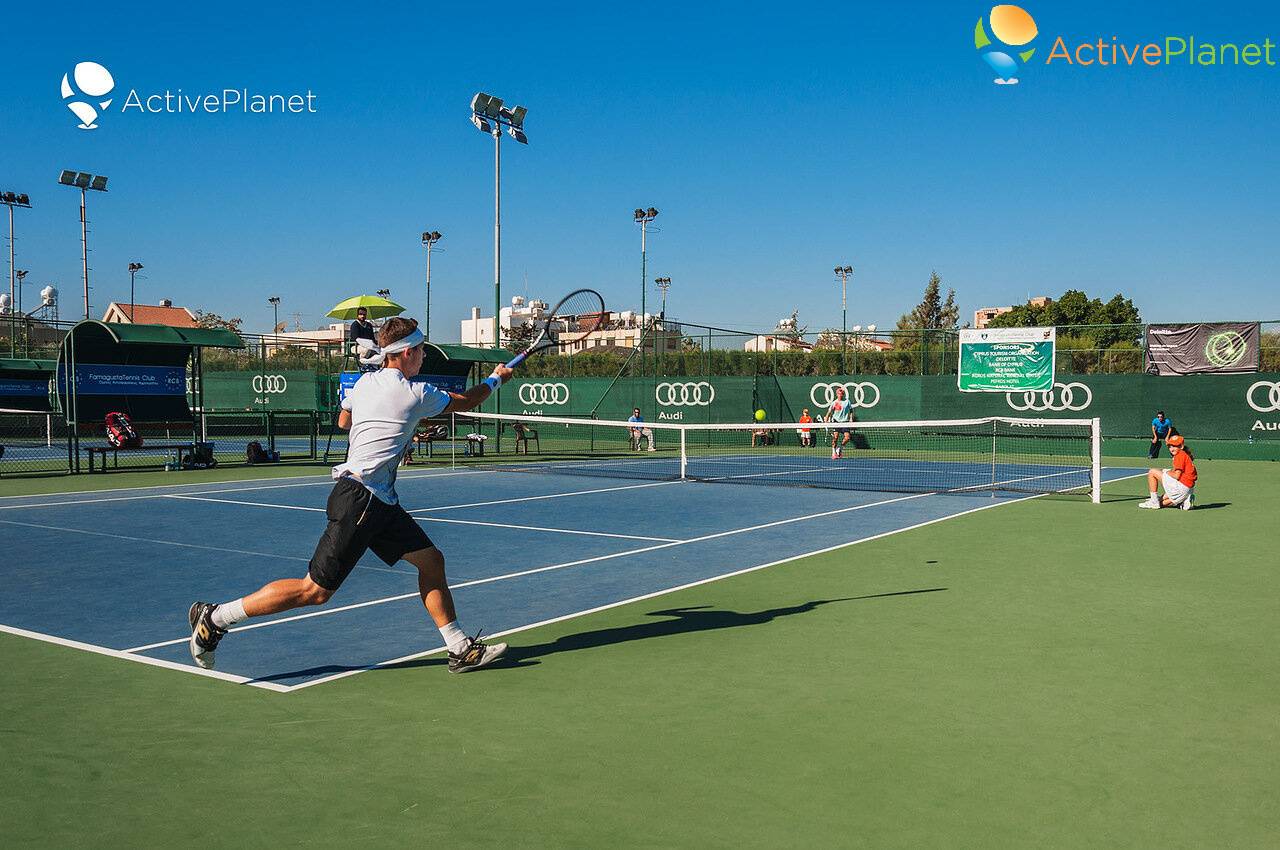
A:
(292, 389)
(114, 379)
(1006, 360)
(1224, 347)
(24, 387)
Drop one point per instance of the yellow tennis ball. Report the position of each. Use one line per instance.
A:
(760, 414)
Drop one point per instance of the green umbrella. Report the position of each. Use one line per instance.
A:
(379, 308)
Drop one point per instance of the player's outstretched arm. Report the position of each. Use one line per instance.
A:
(475, 396)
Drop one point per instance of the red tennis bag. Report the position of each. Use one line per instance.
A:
(120, 433)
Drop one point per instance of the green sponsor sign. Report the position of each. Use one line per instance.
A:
(1006, 360)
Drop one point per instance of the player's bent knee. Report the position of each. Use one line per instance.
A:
(314, 594)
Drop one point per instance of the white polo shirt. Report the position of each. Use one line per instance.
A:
(385, 408)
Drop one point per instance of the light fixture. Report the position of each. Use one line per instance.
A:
(67, 178)
(83, 179)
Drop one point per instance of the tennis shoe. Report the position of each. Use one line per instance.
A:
(474, 655)
(1149, 504)
(1188, 502)
(204, 634)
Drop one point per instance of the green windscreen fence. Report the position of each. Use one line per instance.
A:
(283, 389)
(1225, 415)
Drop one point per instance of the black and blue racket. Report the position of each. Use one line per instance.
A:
(569, 322)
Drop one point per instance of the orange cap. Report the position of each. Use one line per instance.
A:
(1175, 440)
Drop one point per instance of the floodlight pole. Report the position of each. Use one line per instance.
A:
(13, 328)
(133, 270)
(844, 272)
(429, 239)
(84, 249)
(497, 230)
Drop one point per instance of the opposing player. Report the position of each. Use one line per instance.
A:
(1177, 482)
(839, 412)
(381, 410)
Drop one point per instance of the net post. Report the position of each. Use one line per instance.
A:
(995, 424)
(453, 441)
(1095, 454)
(684, 454)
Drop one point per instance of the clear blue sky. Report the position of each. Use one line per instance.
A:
(776, 140)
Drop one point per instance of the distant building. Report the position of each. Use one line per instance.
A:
(770, 342)
(983, 315)
(335, 334)
(145, 314)
(615, 329)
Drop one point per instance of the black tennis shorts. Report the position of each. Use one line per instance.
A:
(359, 521)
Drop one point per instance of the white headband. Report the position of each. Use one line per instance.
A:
(415, 338)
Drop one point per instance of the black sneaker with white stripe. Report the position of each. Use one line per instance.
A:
(475, 655)
(204, 634)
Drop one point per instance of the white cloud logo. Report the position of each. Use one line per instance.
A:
(91, 81)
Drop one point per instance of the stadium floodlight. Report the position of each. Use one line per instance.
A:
(84, 181)
(486, 108)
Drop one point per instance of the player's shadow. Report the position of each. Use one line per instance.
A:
(685, 620)
(676, 621)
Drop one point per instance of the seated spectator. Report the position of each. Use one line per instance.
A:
(640, 433)
(762, 437)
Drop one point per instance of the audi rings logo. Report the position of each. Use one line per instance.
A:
(269, 384)
(1270, 399)
(1073, 396)
(544, 394)
(858, 394)
(687, 394)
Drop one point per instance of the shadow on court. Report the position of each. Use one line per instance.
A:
(675, 621)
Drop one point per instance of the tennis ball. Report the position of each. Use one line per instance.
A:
(760, 414)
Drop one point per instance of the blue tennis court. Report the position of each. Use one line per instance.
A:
(114, 571)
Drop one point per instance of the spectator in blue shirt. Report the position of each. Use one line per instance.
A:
(1161, 430)
(639, 432)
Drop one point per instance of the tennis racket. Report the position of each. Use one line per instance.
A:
(577, 315)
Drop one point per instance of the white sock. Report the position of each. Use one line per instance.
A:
(228, 614)
(454, 637)
(1155, 497)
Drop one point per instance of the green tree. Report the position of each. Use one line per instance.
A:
(1093, 322)
(933, 312)
(213, 320)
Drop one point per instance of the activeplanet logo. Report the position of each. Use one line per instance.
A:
(85, 90)
(1003, 38)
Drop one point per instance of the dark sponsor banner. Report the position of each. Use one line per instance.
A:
(23, 387)
(114, 379)
(1223, 347)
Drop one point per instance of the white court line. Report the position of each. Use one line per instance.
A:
(547, 496)
(549, 568)
(129, 656)
(429, 519)
(326, 479)
(142, 659)
(546, 529)
(272, 555)
(324, 679)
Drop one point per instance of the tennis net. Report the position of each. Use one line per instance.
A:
(958, 455)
